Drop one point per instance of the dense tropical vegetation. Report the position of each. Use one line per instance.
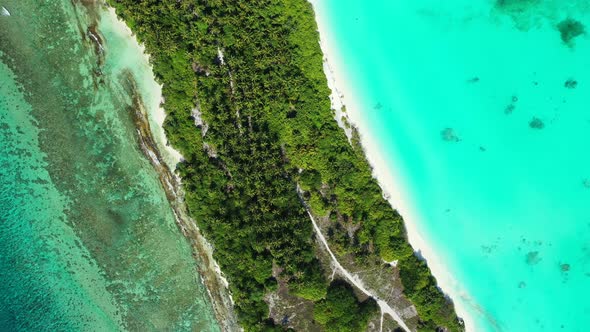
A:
(340, 311)
(248, 107)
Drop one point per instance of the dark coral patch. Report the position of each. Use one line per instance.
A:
(570, 29)
(515, 5)
(536, 123)
(509, 109)
(448, 135)
(571, 84)
(533, 258)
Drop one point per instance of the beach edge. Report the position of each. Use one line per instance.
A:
(167, 157)
(384, 174)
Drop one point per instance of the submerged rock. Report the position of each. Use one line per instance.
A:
(536, 123)
(448, 135)
(522, 12)
(533, 258)
(564, 267)
(509, 109)
(515, 6)
(571, 84)
(570, 29)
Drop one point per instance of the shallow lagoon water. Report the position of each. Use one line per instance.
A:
(482, 112)
(89, 240)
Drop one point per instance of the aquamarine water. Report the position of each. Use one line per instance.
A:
(483, 111)
(88, 238)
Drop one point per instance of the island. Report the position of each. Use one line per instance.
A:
(298, 224)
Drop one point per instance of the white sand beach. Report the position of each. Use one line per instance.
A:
(150, 90)
(151, 94)
(392, 185)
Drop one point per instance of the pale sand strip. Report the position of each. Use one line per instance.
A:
(213, 278)
(151, 92)
(386, 175)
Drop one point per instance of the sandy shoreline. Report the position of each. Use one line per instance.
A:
(391, 184)
(164, 159)
(153, 101)
(342, 94)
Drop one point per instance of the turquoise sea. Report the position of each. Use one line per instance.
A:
(482, 109)
(88, 237)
